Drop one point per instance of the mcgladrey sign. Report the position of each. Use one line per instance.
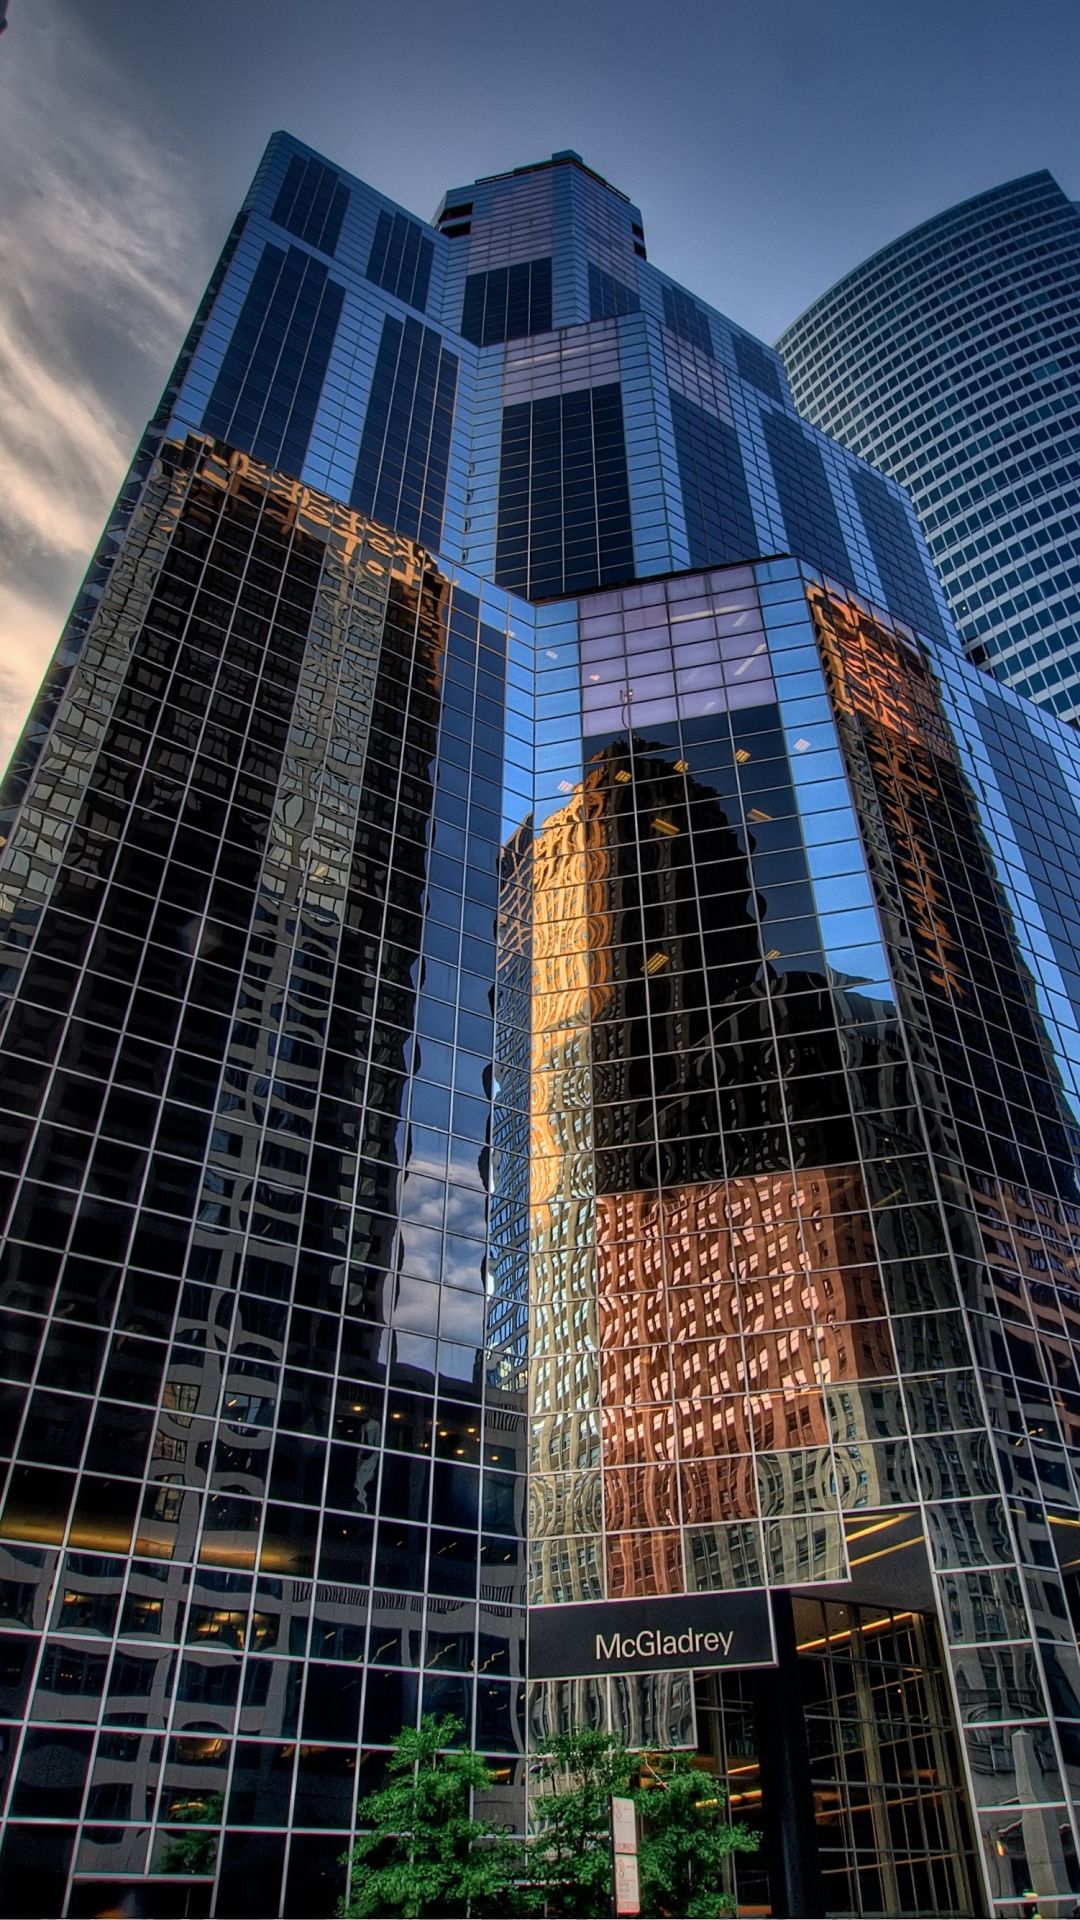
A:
(703, 1630)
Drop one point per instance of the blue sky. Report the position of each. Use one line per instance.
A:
(771, 144)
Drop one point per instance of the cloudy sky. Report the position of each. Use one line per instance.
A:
(771, 144)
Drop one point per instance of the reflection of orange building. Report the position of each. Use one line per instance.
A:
(725, 1311)
(563, 1384)
(702, 1323)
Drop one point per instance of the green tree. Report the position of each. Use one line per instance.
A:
(684, 1839)
(570, 1857)
(194, 1852)
(422, 1853)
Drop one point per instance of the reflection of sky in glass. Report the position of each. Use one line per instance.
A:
(659, 654)
(850, 932)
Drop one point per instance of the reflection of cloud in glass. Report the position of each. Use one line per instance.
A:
(463, 1263)
(465, 1164)
(457, 1363)
(466, 1211)
(462, 1316)
(421, 1250)
(427, 1152)
(422, 1200)
(411, 1350)
(417, 1305)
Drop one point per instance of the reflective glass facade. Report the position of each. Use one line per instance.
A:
(245, 952)
(518, 386)
(529, 1112)
(950, 360)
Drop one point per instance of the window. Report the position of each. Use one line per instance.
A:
(507, 303)
(405, 446)
(400, 259)
(266, 396)
(312, 203)
(564, 499)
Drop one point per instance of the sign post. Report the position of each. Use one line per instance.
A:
(624, 1855)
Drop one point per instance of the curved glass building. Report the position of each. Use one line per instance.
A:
(951, 360)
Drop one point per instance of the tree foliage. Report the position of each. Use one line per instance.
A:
(422, 1853)
(685, 1839)
(194, 1852)
(570, 1858)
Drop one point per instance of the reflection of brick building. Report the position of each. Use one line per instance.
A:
(725, 1312)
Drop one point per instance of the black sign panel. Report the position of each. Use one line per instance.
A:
(701, 1630)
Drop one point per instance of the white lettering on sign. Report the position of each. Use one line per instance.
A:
(648, 1645)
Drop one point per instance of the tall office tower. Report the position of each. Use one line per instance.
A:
(541, 1061)
(951, 360)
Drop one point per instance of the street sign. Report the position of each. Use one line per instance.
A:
(624, 1854)
(627, 1889)
(623, 1824)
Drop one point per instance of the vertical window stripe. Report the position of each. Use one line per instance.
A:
(312, 203)
(806, 502)
(608, 297)
(686, 318)
(564, 497)
(716, 501)
(758, 366)
(900, 566)
(401, 259)
(267, 394)
(405, 446)
(507, 303)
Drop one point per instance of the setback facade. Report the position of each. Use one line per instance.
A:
(543, 1087)
(951, 360)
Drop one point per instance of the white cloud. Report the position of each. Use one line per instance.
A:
(99, 272)
(30, 632)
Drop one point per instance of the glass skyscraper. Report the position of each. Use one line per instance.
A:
(541, 1071)
(951, 360)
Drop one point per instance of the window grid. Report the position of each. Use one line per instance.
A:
(404, 457)
(401, 259)
(564, 504)
(230, 1454)
(267, 393)
(312, 203)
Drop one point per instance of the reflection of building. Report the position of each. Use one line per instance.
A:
(569, 1102)
(725, 1317)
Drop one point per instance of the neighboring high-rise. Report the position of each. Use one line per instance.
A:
(951, 360)
(541, 1067)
